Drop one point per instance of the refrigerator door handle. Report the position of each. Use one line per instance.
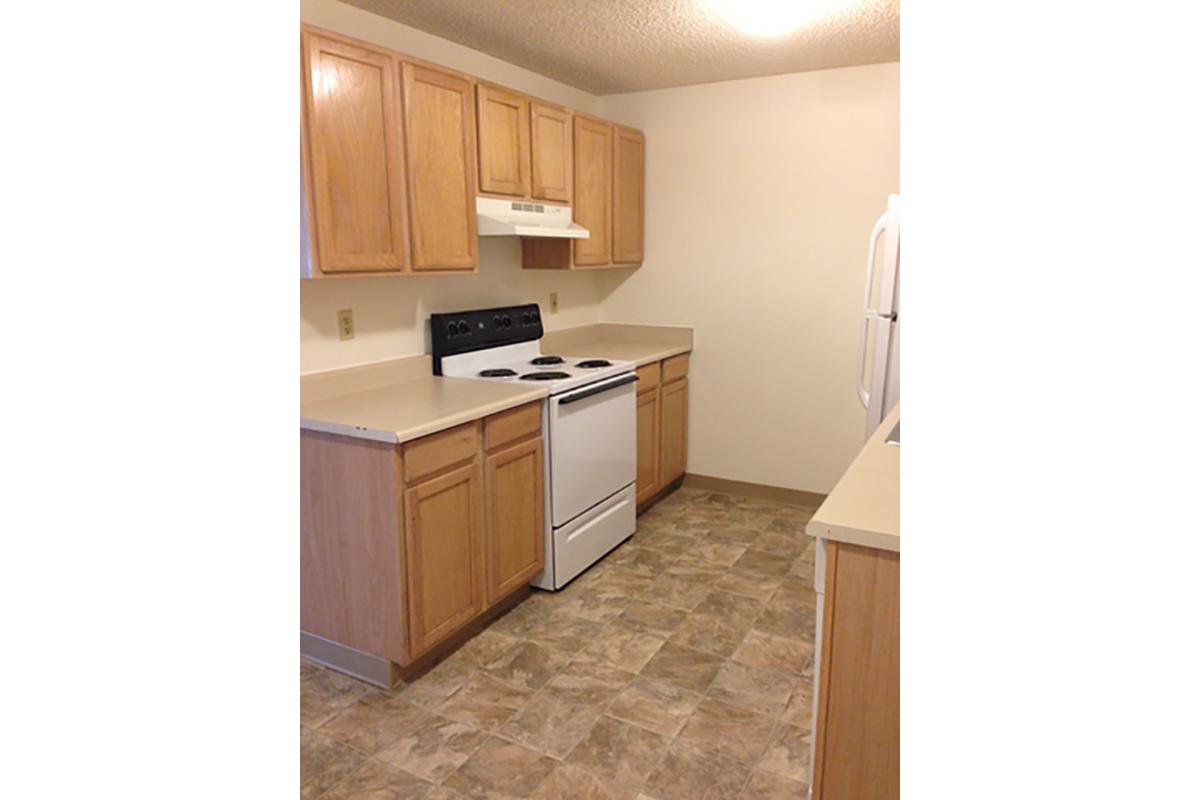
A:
(864, 396)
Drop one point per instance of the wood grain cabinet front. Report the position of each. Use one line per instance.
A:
(674, 432)
(647, 444)
(514, 546)
(439, 128)
(354, 158)
(629, 195)
(550, 127)
(504, 149)
(593, 190)
(443, 549)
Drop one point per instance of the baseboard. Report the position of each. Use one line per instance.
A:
(758, 491)
(364, 666)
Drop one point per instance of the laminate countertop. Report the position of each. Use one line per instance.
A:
(409, 409)
(641, 344)
(864, 507)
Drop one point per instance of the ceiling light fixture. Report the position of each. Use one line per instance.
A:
(766, 18)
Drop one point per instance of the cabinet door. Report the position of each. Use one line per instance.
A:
(504, 149)
(439, 133)
(629, 190)
(647, 444)
(593, 190)
(674, 430)
(514, 536)
(443, 541)
(355, 155)
(551, 128)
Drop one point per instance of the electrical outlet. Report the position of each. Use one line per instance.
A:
(346, 324)
(554, 302)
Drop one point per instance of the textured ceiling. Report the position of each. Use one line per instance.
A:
(612, 46)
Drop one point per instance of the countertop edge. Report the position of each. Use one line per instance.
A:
(848, 535)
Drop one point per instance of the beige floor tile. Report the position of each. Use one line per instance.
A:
(550, 724)
(655, 705)
(728, 730)
(752, 688)
(799, 710)
(787, 754)
(325, 692)
(588, 683)
(709, 633)
(646, 561)
(570, 782)
(500, 769)
(485, 647)
(324, 761)
(485, 702)
(598, 604)
(308, 668)
(734, 534)
(764, 563)
(794, 623)
(652, 618)
(665, 542)
(780, 545)
(734, 609)
(675, 591)
(627, 580)
(376, 780)
(527, 664)
(776, 653)
(433, 749)
(684, 667)
(374, 721)
(687, 773)
(442, 793)
(748, 583)
(715, 552)
(569, 635)
(618, 749)
(437, 685)
(765, 786)
(623, 645)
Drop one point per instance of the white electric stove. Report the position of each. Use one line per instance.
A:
(589, 426)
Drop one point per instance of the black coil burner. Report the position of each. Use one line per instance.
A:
(594, 363)
(498, 373)
(549, 375)
(542, 361)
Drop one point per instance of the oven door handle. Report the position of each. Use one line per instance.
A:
(594, 390)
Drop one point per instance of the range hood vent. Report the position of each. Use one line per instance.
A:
(518, 218)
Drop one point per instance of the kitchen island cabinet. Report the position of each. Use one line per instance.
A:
(406, 549)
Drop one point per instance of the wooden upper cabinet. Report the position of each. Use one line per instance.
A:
(593, 190)
(629, 195)
(514, 534)
(551, 128)
(443, 549)
(504, 149)
(356, 167)
(439, 128)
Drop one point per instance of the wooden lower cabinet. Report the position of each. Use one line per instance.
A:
(514, 548)
(647, 444)
(443, 546)
(674, 422)
(858, 691)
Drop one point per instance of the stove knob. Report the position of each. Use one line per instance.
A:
(506, 320)
(463, 327)
(496, 322)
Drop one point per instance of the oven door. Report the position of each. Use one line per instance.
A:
(593, 445)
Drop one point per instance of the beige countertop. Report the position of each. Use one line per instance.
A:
(398, 412)
(864, 507)
(641, 344)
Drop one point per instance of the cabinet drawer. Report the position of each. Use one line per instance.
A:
(440, 451)
(648, 377)
(674, 368)
(509, 426)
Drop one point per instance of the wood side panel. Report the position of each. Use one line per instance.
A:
(431, 454)
(545, 253)
(673, 435)
(353, 136)
(593, 191)
(629, 195)
(504, 149)
(649, 376)
(675, 367)
(858, 725)
(515, 536)
(552, 159)
(443, 545)
(439, 124)
(351, 588)
(512, 425)
(647, 443)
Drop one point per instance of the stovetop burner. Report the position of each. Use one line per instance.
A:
(542, 361)
(498, 373)
(594, 363)
(549, 375)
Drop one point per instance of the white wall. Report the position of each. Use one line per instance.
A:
(391, 314)
(760, 195)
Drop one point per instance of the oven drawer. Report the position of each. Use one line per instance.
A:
(593, 445)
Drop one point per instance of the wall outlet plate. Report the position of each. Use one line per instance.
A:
(345, 324)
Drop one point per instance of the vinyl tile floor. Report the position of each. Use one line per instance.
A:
(678, 667)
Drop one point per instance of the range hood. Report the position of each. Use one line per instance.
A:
(517, 218)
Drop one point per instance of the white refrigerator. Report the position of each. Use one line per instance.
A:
(879, 350)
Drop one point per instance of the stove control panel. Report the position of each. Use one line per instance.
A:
(466, 331)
